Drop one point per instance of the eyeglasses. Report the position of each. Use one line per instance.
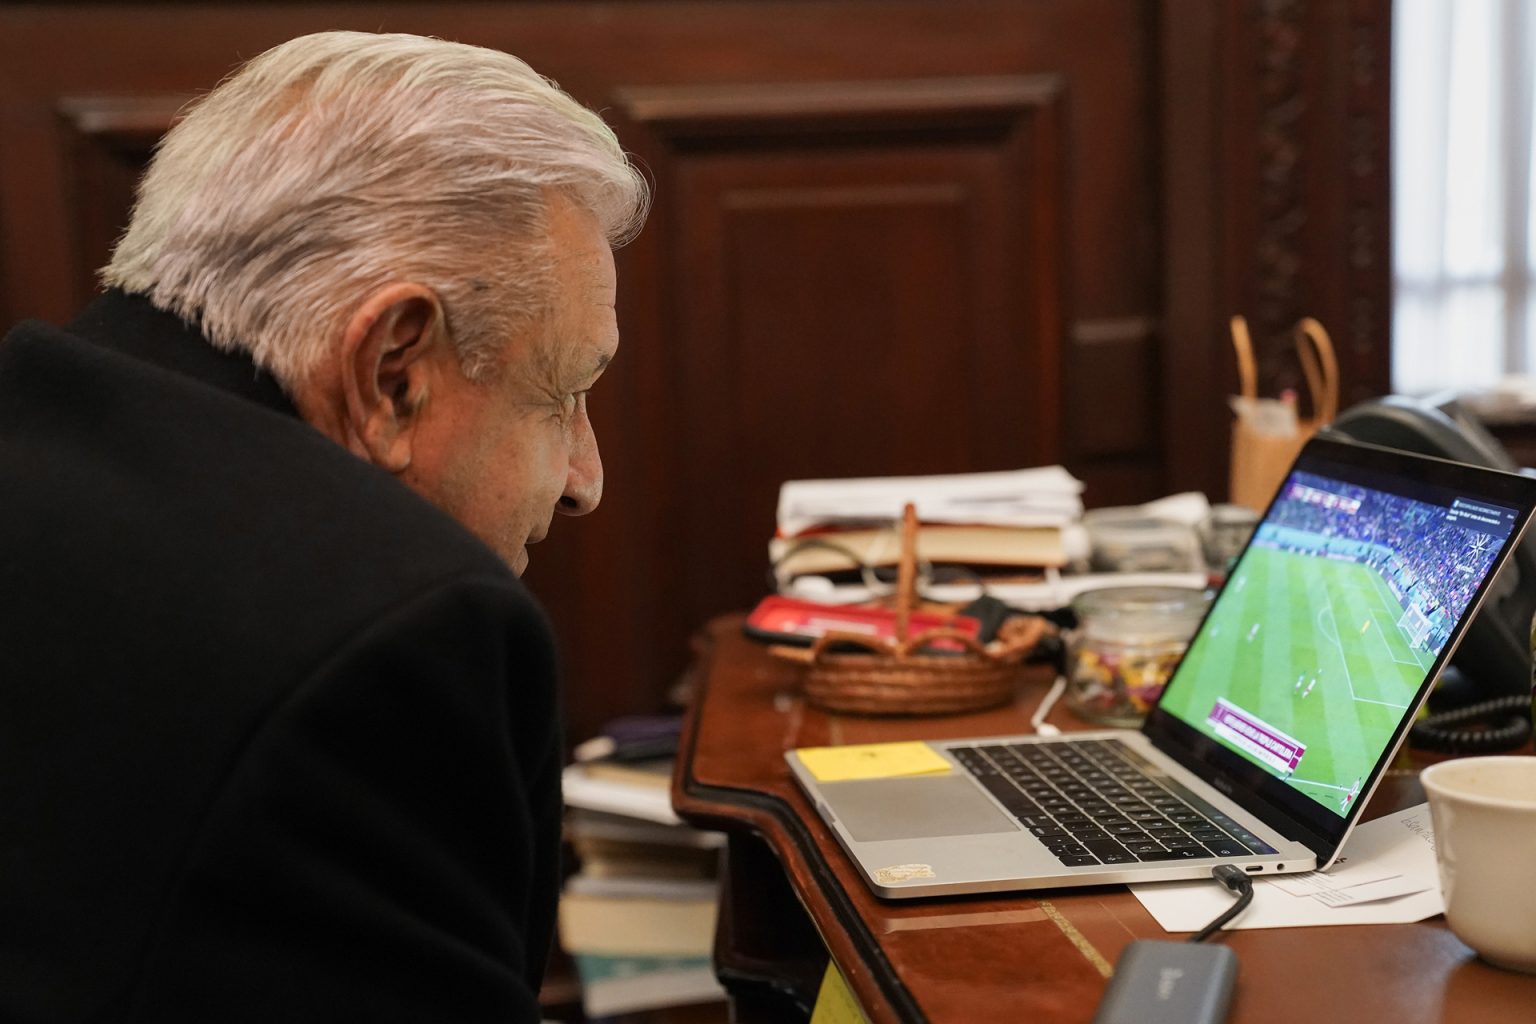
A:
(878, 581)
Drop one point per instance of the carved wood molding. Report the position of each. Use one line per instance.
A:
(742, 111)
(1367, 327)
(1283, 105)
(1119, 330)
(134, 120)
(1294, 105)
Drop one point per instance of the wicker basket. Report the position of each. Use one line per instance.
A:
(900, 677)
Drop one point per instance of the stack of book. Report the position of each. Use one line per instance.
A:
(1014, 523)
(638, 916)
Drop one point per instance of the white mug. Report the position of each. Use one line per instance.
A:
(1484, 812)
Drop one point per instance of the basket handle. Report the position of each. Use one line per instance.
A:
(820, 645)
(906, 572)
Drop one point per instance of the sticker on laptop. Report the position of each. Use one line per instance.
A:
(899, 873)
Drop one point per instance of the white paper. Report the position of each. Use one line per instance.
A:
(1399, 847)
(1370, 892)
(1190, 508)
(1273, 417)
(1354, 883)
(1314, 882)
(649, 803)
(1045, 496)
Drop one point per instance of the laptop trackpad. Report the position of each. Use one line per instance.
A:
(913, 807)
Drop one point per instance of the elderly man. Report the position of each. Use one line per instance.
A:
(278, 723)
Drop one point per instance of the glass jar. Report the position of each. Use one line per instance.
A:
(1223, 535)
(1125, 646)
(1131, 540)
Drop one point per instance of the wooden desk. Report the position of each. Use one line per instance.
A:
(791, 896)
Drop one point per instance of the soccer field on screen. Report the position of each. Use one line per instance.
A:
(1309, 646)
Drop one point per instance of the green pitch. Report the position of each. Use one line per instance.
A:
(1311, 647)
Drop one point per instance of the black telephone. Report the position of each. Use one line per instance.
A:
(1489, 681)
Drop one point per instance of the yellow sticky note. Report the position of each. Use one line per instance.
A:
(871, 761)
(834, 1003)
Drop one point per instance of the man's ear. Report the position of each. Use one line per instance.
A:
(387, 367)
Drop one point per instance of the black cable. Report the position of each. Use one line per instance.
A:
(1503, 723)
(1236, 880)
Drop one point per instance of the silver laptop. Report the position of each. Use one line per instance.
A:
(1270, 736)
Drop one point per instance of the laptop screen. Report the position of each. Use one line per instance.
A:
(1321, 643)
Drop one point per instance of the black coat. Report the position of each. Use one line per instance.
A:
(278, 739)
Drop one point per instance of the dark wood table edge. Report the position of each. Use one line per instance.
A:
(775, 822)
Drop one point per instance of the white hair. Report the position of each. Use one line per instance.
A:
(342, 161)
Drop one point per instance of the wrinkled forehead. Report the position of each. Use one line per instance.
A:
(579, 333)
(576, 237)
(587, 274)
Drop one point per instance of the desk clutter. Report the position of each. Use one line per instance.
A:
(1006, 527)
(939, 670)
(638, 915)
(1293, 693)
(1389, 877)
(1282, 723)
(1020, 536)
(927, 595)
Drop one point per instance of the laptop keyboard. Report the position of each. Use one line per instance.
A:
(1099, 802)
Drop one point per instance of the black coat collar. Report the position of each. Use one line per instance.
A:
(129, 324)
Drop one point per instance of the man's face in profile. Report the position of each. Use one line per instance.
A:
(508, 452)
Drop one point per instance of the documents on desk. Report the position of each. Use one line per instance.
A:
(1046, 496)
(1386, 876)
(1013, 524)
(1019, 528)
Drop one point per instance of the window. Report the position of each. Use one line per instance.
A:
(1462, 215)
